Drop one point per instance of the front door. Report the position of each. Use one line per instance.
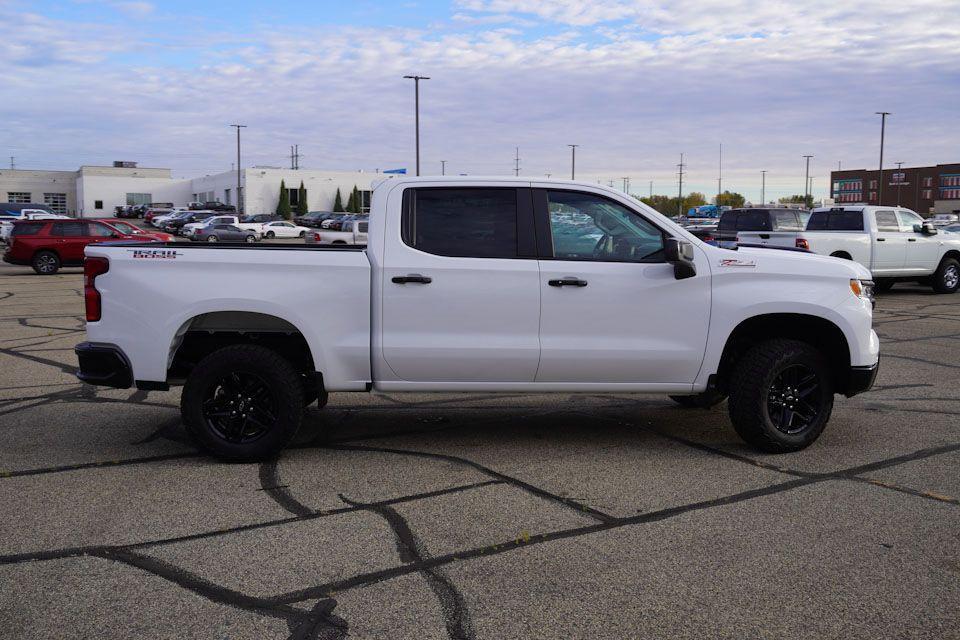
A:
(612, 310)
(890, 248)
(923, 251)
(461, 298)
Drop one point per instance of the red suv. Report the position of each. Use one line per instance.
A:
(46, 245)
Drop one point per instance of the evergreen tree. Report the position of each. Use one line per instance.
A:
(338, 202)
(301, 200)
(357, 204)
(283, 204)
(352, 202)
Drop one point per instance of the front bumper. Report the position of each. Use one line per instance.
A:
(104, 365)
(861, 379)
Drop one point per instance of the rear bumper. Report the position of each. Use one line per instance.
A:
(11, 260)
(104, 365)
(861, 379)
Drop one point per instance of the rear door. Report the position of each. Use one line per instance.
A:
(890, 245)
(461, 287)
(612, 310)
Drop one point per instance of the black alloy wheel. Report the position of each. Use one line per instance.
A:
(240, 407)
(793, 400)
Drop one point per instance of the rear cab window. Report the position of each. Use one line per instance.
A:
(836, 220)
(753, 220)
(461, 222)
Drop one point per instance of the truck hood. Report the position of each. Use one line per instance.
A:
(777, 260)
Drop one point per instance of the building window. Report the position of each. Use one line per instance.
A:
(926, 194)
(950, 194)
(139, 198)
(294, 195)
(240, 199)
(873, 184)
(365, 201)
(928, 182)
(98, 204)
(57, 202)
(873, 196)
(950, 180)
(20, 197)
(226, 196)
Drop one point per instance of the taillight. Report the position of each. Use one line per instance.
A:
(803, 244)
(708, 238)
(316, 237)
(93, 267)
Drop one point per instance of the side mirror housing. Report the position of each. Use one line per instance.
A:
(679, 253)
(926, 228)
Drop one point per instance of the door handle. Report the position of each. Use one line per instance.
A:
(411, 277)
(911, 239)
(881, 239)
(567, 282)
(765, 236)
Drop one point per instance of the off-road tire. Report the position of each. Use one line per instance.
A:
(750, 389)
(947, 277)
(282, 381)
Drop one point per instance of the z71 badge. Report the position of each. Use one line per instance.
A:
(734, 262)
(155, 254)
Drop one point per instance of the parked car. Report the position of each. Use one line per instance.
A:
(336, 224)
(255, 227)
(284, 229)
(6, 227)
(127, 229)
(766, 221)
(944, 219)
(951, 228)
(314, 218)
(175, 225)
(706, 232)
(152, 214)
(223, 233)
(17, 209)
(48, 244)
(260, 218)
(455, 292)
(895, 243)
(218, 207)
(352, 232)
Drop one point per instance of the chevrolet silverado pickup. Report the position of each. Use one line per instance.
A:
(896, 244)
(481, 285)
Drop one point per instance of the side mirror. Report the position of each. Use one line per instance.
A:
(679, 253)
(926, 228)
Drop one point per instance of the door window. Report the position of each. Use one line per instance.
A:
(464, 223)
(585, 226)
(98, 230)
(836, 220)
(887, 221)
(786, 220)
(69, 229)
(908, 219)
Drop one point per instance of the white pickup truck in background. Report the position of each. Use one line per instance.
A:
(481, 285)
(189, 229)
(353, 232)
(896, 244)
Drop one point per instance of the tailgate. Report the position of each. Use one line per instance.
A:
(772, 238)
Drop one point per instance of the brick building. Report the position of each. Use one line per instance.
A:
(924, 189)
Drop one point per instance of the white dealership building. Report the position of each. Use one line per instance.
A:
(93, 191)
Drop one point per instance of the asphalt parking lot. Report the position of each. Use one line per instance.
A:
(497, 516)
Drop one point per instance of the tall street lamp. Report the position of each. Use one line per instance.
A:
(416, 107)
(239, 205)
(899, 180)
(573, 161)
(883, 126)
(763, 187)
(806, 182)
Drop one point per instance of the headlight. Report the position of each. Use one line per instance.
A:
(862, 289)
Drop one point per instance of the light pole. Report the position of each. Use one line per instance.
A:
(239, 203)
(763, 187)
(680, 189)
(573, 161)
(883, 126)
(806, 182)
(899, 180)
(416, 108)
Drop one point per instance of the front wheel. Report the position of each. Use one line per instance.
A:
(213, 239)
(243, 402)
(781, 396)
(269, 235)
(46, 263)
(251, 238)
(947, 277)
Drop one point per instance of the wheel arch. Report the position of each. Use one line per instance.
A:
(820, 333)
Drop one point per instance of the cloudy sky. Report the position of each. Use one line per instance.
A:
(634, 82)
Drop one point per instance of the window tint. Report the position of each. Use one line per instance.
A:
(69, 229)
(728, 221)
(887, 221)
(27, 228)
(753, 221)
(908, 219)
(589, 227)
(785, 220)
(835, 221)
(466, 223)
(99, 230)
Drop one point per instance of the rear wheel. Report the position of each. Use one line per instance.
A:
(947, 277)
(213, 239)
(781, 396)
(269, 235)
(250, 238)
(302, 234)
(46, 263)
(703, 400)
(243, 402)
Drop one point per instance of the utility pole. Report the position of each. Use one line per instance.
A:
(443, 167)
(720, 176)
(573, 161)
(899, 180)
(680, 191)
(763, 187)
(883, 126)
(416, 109)
(239, 170)
(806, 182)
(516, 163)
(651, 188)
(12, 163)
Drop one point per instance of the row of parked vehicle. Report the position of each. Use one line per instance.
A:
(896, 244)
(142, 210)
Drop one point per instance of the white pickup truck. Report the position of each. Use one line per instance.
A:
(896, 244)
(481, 285)
(190, 228)
(353, 232)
